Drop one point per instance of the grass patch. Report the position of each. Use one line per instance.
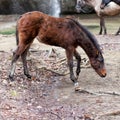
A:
(92, 23)
(92, 26)
(7, 31)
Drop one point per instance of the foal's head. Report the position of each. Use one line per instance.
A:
(93, 50)
(97, 63)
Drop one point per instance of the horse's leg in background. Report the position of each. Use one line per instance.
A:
(78, 58)
(17, 53)
(101, 29)
(23, 56)
(117, 33)
(102, 26)
(69, 54)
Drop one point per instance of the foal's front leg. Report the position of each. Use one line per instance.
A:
(69, 54)
(23, 56)
(78, 58)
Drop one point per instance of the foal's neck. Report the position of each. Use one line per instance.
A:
(90, 49)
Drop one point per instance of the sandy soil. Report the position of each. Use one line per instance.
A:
(50, 94)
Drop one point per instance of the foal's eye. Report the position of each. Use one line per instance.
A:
(100, 59)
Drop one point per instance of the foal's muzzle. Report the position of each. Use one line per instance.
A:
(103, 73)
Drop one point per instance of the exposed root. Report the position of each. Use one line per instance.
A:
(84, 91)
(59, 118)
(109, 93)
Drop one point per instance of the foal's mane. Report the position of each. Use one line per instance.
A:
(90, 36)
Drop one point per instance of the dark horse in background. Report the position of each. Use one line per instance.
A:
(105, 3)
(111, 9)
(63, 32)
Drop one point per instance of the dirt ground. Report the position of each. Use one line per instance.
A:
(50, 94)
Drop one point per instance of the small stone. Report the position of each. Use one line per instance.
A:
(39, 107)
(4, 82)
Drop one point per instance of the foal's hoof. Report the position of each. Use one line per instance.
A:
(77, 88)
(11, 78)
(32, 78)
(28, 76)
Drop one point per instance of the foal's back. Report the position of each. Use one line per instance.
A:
(49, 30)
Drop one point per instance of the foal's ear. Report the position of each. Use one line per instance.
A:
(99, 57)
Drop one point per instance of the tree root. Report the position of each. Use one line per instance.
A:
(109, 93)
(84, 92)
(55, 115)
(97, 93)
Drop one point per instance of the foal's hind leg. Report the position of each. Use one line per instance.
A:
(69, 54)
(78, 57)
(23, 56)
(20, 49)
(13, 66)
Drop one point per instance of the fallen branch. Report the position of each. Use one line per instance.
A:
(109, 93)
(84, 91)
(2, 51)
(96, 93)
(113, 113)
(55, 115)
(61, 61)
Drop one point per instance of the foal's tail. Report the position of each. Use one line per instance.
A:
(17, 38)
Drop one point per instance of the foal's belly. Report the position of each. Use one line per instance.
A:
(48, 41)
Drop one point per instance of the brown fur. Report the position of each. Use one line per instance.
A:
(63, 32)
